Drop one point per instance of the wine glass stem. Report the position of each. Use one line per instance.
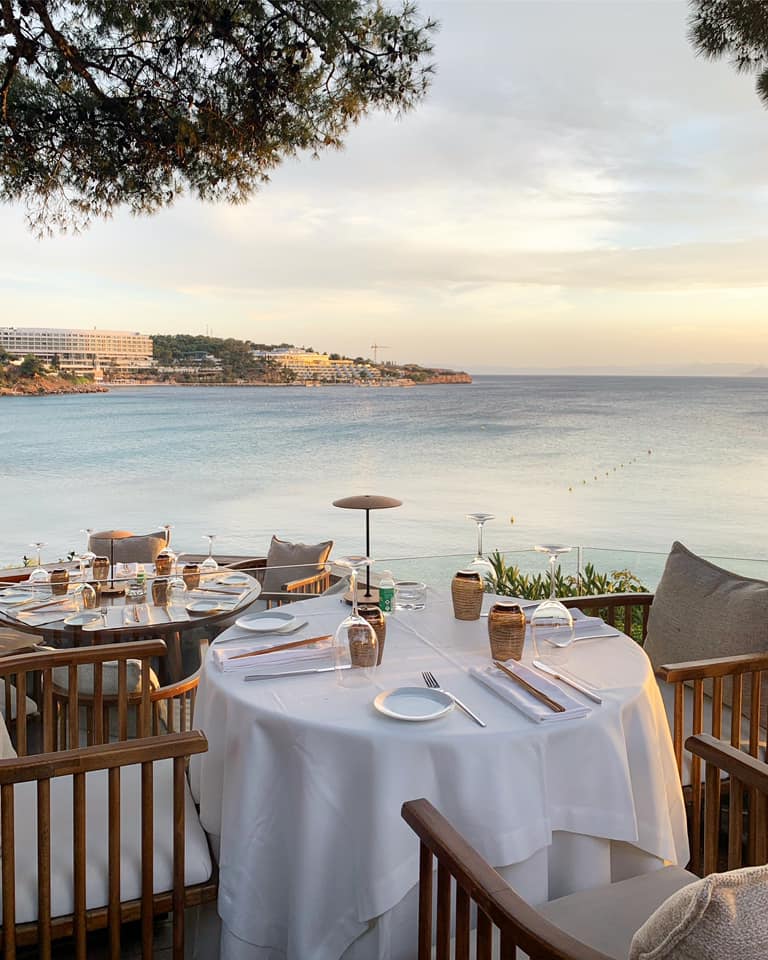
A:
(480, 539)
(552, 563)
(353, 586)
(39, 557)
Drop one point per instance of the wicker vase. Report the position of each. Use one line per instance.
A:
(375, 617)
(506, 631)
(467, 594)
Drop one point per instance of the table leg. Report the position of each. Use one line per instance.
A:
(173, 656)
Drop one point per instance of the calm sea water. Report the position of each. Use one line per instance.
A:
(243, 463)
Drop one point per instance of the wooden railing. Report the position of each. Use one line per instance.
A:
(627, 612)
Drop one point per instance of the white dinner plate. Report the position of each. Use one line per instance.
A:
(13, 597)
(204, 606)
(413, 703)
(270, 621)
(83, 618)
(235, 579)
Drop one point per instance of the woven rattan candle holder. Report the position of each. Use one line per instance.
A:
(375, 617)
(506, 631)
(467, 594)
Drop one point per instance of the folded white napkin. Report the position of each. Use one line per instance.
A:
(528, 704)
(136, 614)
(318, 654)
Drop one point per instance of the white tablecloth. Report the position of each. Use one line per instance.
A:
(303, 782)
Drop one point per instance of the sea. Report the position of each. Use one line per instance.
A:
(619, 466)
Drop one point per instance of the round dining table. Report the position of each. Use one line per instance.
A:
(302, 785)
(118, 621)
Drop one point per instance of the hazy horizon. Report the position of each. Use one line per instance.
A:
(551, 205)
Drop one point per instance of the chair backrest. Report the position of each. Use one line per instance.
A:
(127, 547)
(461, 868)
(45, 770)
(291, 563)
(54, 727)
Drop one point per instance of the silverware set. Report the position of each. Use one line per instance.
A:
(431, 681)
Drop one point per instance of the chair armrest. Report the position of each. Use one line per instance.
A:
(105, 756)
(295, 585)
(714, 667)
(172, 690)
(70, 656)
(744, 767)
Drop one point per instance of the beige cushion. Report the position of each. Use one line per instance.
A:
(701, 611)
(109, 678)
(128, 548)
(31, 706)
(288, 561)
(606, 918)
(722, 917)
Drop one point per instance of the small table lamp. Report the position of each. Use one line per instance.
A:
(367, 502)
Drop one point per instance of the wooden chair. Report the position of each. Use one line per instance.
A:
(696, 703)
(291, 590)
(505, 922)
(159, 857)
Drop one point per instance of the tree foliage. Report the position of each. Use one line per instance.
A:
(736, 29)
(108, 102)
(236, 356)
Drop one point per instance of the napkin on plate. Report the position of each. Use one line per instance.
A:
(319, 654)
(524, 701)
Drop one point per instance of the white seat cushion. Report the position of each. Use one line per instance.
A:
(607, 918)
(197, 861)
(32, 707)
(668, 696)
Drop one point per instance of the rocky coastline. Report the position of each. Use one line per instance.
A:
(39, 386)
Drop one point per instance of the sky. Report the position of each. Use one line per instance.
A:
(579, 191)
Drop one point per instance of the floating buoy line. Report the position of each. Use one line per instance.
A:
(608, 473)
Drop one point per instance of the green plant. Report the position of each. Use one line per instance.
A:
(510, 581)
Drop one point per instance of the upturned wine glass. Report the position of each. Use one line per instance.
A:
(552, 622)
(356, 646)
(209, 565)
(39, 574)
(481, 564)
(86, 558)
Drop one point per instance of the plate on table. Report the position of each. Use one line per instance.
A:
(235, 580)
(204, 606)
(413, 703)
(83, 618)
(270, 621)
(13, 597)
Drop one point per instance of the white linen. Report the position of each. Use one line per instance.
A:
(303, 780)
(494, 678)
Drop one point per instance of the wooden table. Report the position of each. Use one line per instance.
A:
(161, 625)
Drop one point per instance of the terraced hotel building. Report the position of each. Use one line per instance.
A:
(84, 352)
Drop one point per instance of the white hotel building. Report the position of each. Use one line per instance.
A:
(309, 367)
(83, 352)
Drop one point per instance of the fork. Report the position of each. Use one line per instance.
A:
(431, 681)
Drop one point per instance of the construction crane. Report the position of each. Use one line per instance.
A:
(376, 347)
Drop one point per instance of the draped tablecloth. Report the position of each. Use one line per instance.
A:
(303, 782)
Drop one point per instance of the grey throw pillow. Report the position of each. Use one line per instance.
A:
(722, 917)
(288, 561)
(701, 611)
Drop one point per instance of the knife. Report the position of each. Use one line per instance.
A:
(538, 694)
(545, 668)
(295, 673)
